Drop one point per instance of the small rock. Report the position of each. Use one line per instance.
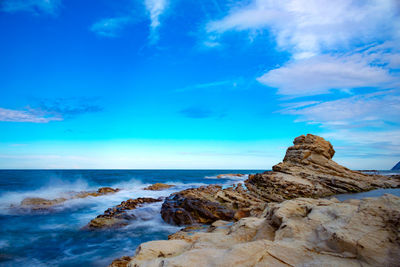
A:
(158, 187)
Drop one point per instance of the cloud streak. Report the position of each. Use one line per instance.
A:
(29, 115)
(110, 27)
(375, 109)
(310, 27)
(321, 74)
(155, 9)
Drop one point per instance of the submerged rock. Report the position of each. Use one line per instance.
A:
(158, 187)
(36, 203)
(299, 232)
(306, 171)
(118, 216)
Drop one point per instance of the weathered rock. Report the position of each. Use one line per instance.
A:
(36, 203)
(118, 216)
(309, 171)
(207, 204)
(306, 171)
(299, 232)
(158, 187)
(121, 262)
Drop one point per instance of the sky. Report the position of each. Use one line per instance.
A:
(211, 84)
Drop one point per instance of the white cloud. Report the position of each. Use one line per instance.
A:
(29, 115)
(155, 8)
(110, 27)
(45, 6)
(320, 74)
(308, 27)
(375, 109)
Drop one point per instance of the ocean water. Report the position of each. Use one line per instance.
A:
(55, 238)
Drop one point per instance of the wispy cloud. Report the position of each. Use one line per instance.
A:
(110, 27)
(34, 6)
(213, 85)
(51, 110)
(334, 45)
(28, 115)
(309, 27)
(155, 8)
(321, 74)
(374, 109)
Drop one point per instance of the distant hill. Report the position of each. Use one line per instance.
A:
(396, 167)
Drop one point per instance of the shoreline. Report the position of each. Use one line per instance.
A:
(255, 207)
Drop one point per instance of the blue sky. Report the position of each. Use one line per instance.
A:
(197, 84)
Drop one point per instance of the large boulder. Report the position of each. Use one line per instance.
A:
(299, 232)
(207, 204)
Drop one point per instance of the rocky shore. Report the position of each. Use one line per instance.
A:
(282, 218)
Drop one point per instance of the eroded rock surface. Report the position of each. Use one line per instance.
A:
(207, 204)
(306, 171)
(37, 203)
(158, 187)
(119, 215)
(299, 232)
(309, 171)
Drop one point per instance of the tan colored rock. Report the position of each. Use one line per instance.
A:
(118, 216)
(207, 204)
(306, 171)
(309, 171)
(299, 232)
(36, 203)
(121, 262)
(158, 187)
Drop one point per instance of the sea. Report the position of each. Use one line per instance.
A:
(56, 237)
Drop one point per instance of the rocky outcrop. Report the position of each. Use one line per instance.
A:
(207, 204)
(396, 167)
(36, 203)
(299, 232)
(309, 171)
(306, 171)
(158, 187)
(119, 215)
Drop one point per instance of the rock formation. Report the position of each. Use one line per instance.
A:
(37, 203)
(306, 171)
(119, 216)
(309, 171)
(158, 187)
(298, 232)
(207, 204)
(396, 167)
